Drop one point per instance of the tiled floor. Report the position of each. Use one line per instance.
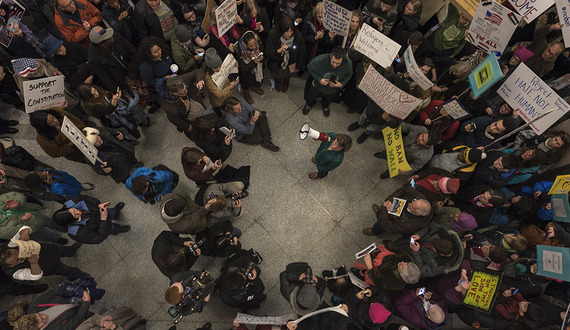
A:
(288, 217)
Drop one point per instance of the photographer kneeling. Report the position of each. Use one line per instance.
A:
(220, 240)
(228, 200)
(301, 288)
(240, 285)
(189, 292)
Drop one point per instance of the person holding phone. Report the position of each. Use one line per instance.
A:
(208, 136)
(185, 52)
(183, 215)
(119, 15)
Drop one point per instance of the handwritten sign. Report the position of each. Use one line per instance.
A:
(485, 75)
(376, 46)
(395, 151)
(366, 250)
(455, 109)
(414, 70)
(27, 248)
(561, 82)
(388, 97)
(560, 207)
(563, 9)
(561, 185)
(531, 9)
(44, 93)
(336, 18)
(272, 320)
(228, 66)
(492, 27)
(76, 136)
(553, 261)
(226, 15)
(524, 90)
(466, 7)
(482, 291)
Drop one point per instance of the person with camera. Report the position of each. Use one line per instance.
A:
(301, 288)
(227, 196)
(189, 292)
(173, 254)
(240, 285)
(422, 308)
(219, 240)
(183, 215)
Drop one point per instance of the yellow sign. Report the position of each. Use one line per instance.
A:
(466, 7)
(561, 185)
(483, 75)
(482, 291)
(395, 151)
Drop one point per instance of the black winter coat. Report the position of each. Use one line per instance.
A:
(111, 73)
(147, 22)
(290, 286)
(215, 146)
(165, 241)
(297, 52)
(95, 230)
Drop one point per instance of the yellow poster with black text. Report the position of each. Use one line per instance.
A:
(395, 155)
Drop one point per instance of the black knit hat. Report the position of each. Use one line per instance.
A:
(433, 138)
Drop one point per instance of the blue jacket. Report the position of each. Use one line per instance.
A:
(543, 213)
(161, 181)
(241, 122)
(64, 184)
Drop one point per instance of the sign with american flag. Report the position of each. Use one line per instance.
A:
(492, 27)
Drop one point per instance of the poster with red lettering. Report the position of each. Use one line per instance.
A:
(531, 9)
(483, 290)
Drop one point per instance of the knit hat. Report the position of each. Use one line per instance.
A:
(33, 180)
(473, 155)
(307, 296)
(12, 21)
(52, 44)
(378, 313)
(433, 138)
(182, 33)
(522, 53)
(91, 134)
(25, 66)
(99, 34)
(448, 185)
(172, 210)
(465, 223)
(212, 59)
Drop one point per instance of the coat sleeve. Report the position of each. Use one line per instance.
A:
(98, 236)
(73, 322)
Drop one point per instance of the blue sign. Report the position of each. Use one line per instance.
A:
(485, 75)
(553, 261)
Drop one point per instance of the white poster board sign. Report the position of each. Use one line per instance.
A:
(414, 70)
(561, 82)
(226, 15)
(563, 9)
(492, 27)
(273, 320)
(44, 93)
(455, 110)
(376, 46)
(228, 66)
(76, 136)
(336, 18)
(388, 97)
(531, 9)
(524, 90)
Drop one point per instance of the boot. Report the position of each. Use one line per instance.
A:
(286, 84)
(258, 90)
(278, 84)
(247, 96)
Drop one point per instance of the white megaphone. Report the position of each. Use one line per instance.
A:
(306, 130)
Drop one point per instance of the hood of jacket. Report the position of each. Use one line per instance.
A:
(298, 309)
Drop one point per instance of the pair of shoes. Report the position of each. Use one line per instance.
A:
(385, 175)
(380, 154)
(354, 127)
(306, 109)
(125, 229)
(326, 111)
(278, 84)
(314, 175)
(13, 122)
(146, 122)
(62, 241)
(11, 130)
(39, 288)
(375, 208)
(349, 110)
(119, 206)
(368, 232)
(286, 84)
(362, 138)
(258, 90)
(87, 186)
(314, 161)
(270, 146)
(247, 96)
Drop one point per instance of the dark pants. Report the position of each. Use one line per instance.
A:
(377, 229)
(313, 94)
(63, 269)
(261, 132)
(323, 174)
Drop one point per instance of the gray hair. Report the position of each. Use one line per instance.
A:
(411, 273)
(174, 84)
(425, 209)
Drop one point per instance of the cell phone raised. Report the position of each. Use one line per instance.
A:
(412, 240)
(422, 291)
(211, 196)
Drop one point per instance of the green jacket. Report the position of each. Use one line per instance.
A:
(328, 160)
(451, 36)
(320, 67)
(12, 221)
(184, 58)
(193, 219)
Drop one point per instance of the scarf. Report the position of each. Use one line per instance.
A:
(247, 55)
(32, 40)
(253, 23)
(8, 213)
(321, 28)
(225, 39)
(289, 43)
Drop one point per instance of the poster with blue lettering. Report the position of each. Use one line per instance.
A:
(336, 18)
(44, 93)
(485, 75)
(563, 9)
(531, 9)
(553, 261)
(524, 90)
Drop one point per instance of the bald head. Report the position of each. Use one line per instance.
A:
(436, 314)
(420, 207)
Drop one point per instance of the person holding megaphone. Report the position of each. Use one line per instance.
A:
(331, 151)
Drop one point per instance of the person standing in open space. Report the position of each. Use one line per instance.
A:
(330, 154)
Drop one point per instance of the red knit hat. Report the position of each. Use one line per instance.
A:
(378, 313)
(522, 53)
(448, 185)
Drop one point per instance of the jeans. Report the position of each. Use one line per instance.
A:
(377, 229)
(313, 94)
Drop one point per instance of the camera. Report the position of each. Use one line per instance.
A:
(255, 259)
(309, 278)
(333, 78)
(195, 290)
(241, 195)
(197, 245)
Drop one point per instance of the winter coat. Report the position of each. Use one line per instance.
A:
(386, 276)
(164, 242)
(222, 189)
(388, 18)
(125, 27)
(477, 138)
(14, 180)
(63, 188)
(193, 219)
(11, 223)
(426, 177)
(70, 319)
(407, 223)
(196, 174)
(410, 307)
(290, 286)
(463, 201)
(120, 165)
(326, 159)
(215, 147)
(297, 52)
(248, 296)
(73, 31)
(320, 67)
(183, 57)
(323, 45)
(209, 235)
(95, 230)
(175, 108)
(160, 180)
(216, 95)
(112, 74)
(484, 175)
(124, 318)
(147, 21)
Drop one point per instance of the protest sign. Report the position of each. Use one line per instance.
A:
(397, 206)
(44, 93)
(466, 7)
(27, 248)
(455, 109)
(524, 90)
(324, 310)
(228, 66)
(358, 282)
(492, 27)
(560, 208)
(561, 82)
(366, 250)
(388, 97)
(336, 18)
(414, 70)
(272, 320)
(563, 9)
(376, 46)
(226, 15)
(553, 261)
(483, 290)
(395, 155)
(485, 75)
(76, 136)
(531, 9)
(561, 185)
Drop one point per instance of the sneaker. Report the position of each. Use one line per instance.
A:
(306, 109)
(314, 176)
(362, 138)
(354, 127)
(87, 186)
(326, 111)
(270, 146)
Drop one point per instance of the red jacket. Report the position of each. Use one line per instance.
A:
(509, 308)
(71, 30)
(446, 134)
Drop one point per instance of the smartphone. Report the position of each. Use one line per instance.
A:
(218, 162)
(413, 183)
(422, 292)
(515, 292)
(461, 282)
(201, 54)
(398, 60)
(211, 196)
(296, 23)
(474, 126)
(412, 240)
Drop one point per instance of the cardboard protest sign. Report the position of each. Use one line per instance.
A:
(395, 155)
(397, 206)
(44, 93)
(366, 250)
(531, 9)
(492, 27)
(376, 46)
(228, 66)
(27, 248)
(560, 208)
(336, 18)
(414, 70)
(524, 90)
(388, 97)
(563, 9)
(226, 15)
(485, 75)
(455, 109)
(483, 290)
(466, 7)
(561, 82)
(561, 185)
(553, 261)
(273, 320)
(76, 136)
